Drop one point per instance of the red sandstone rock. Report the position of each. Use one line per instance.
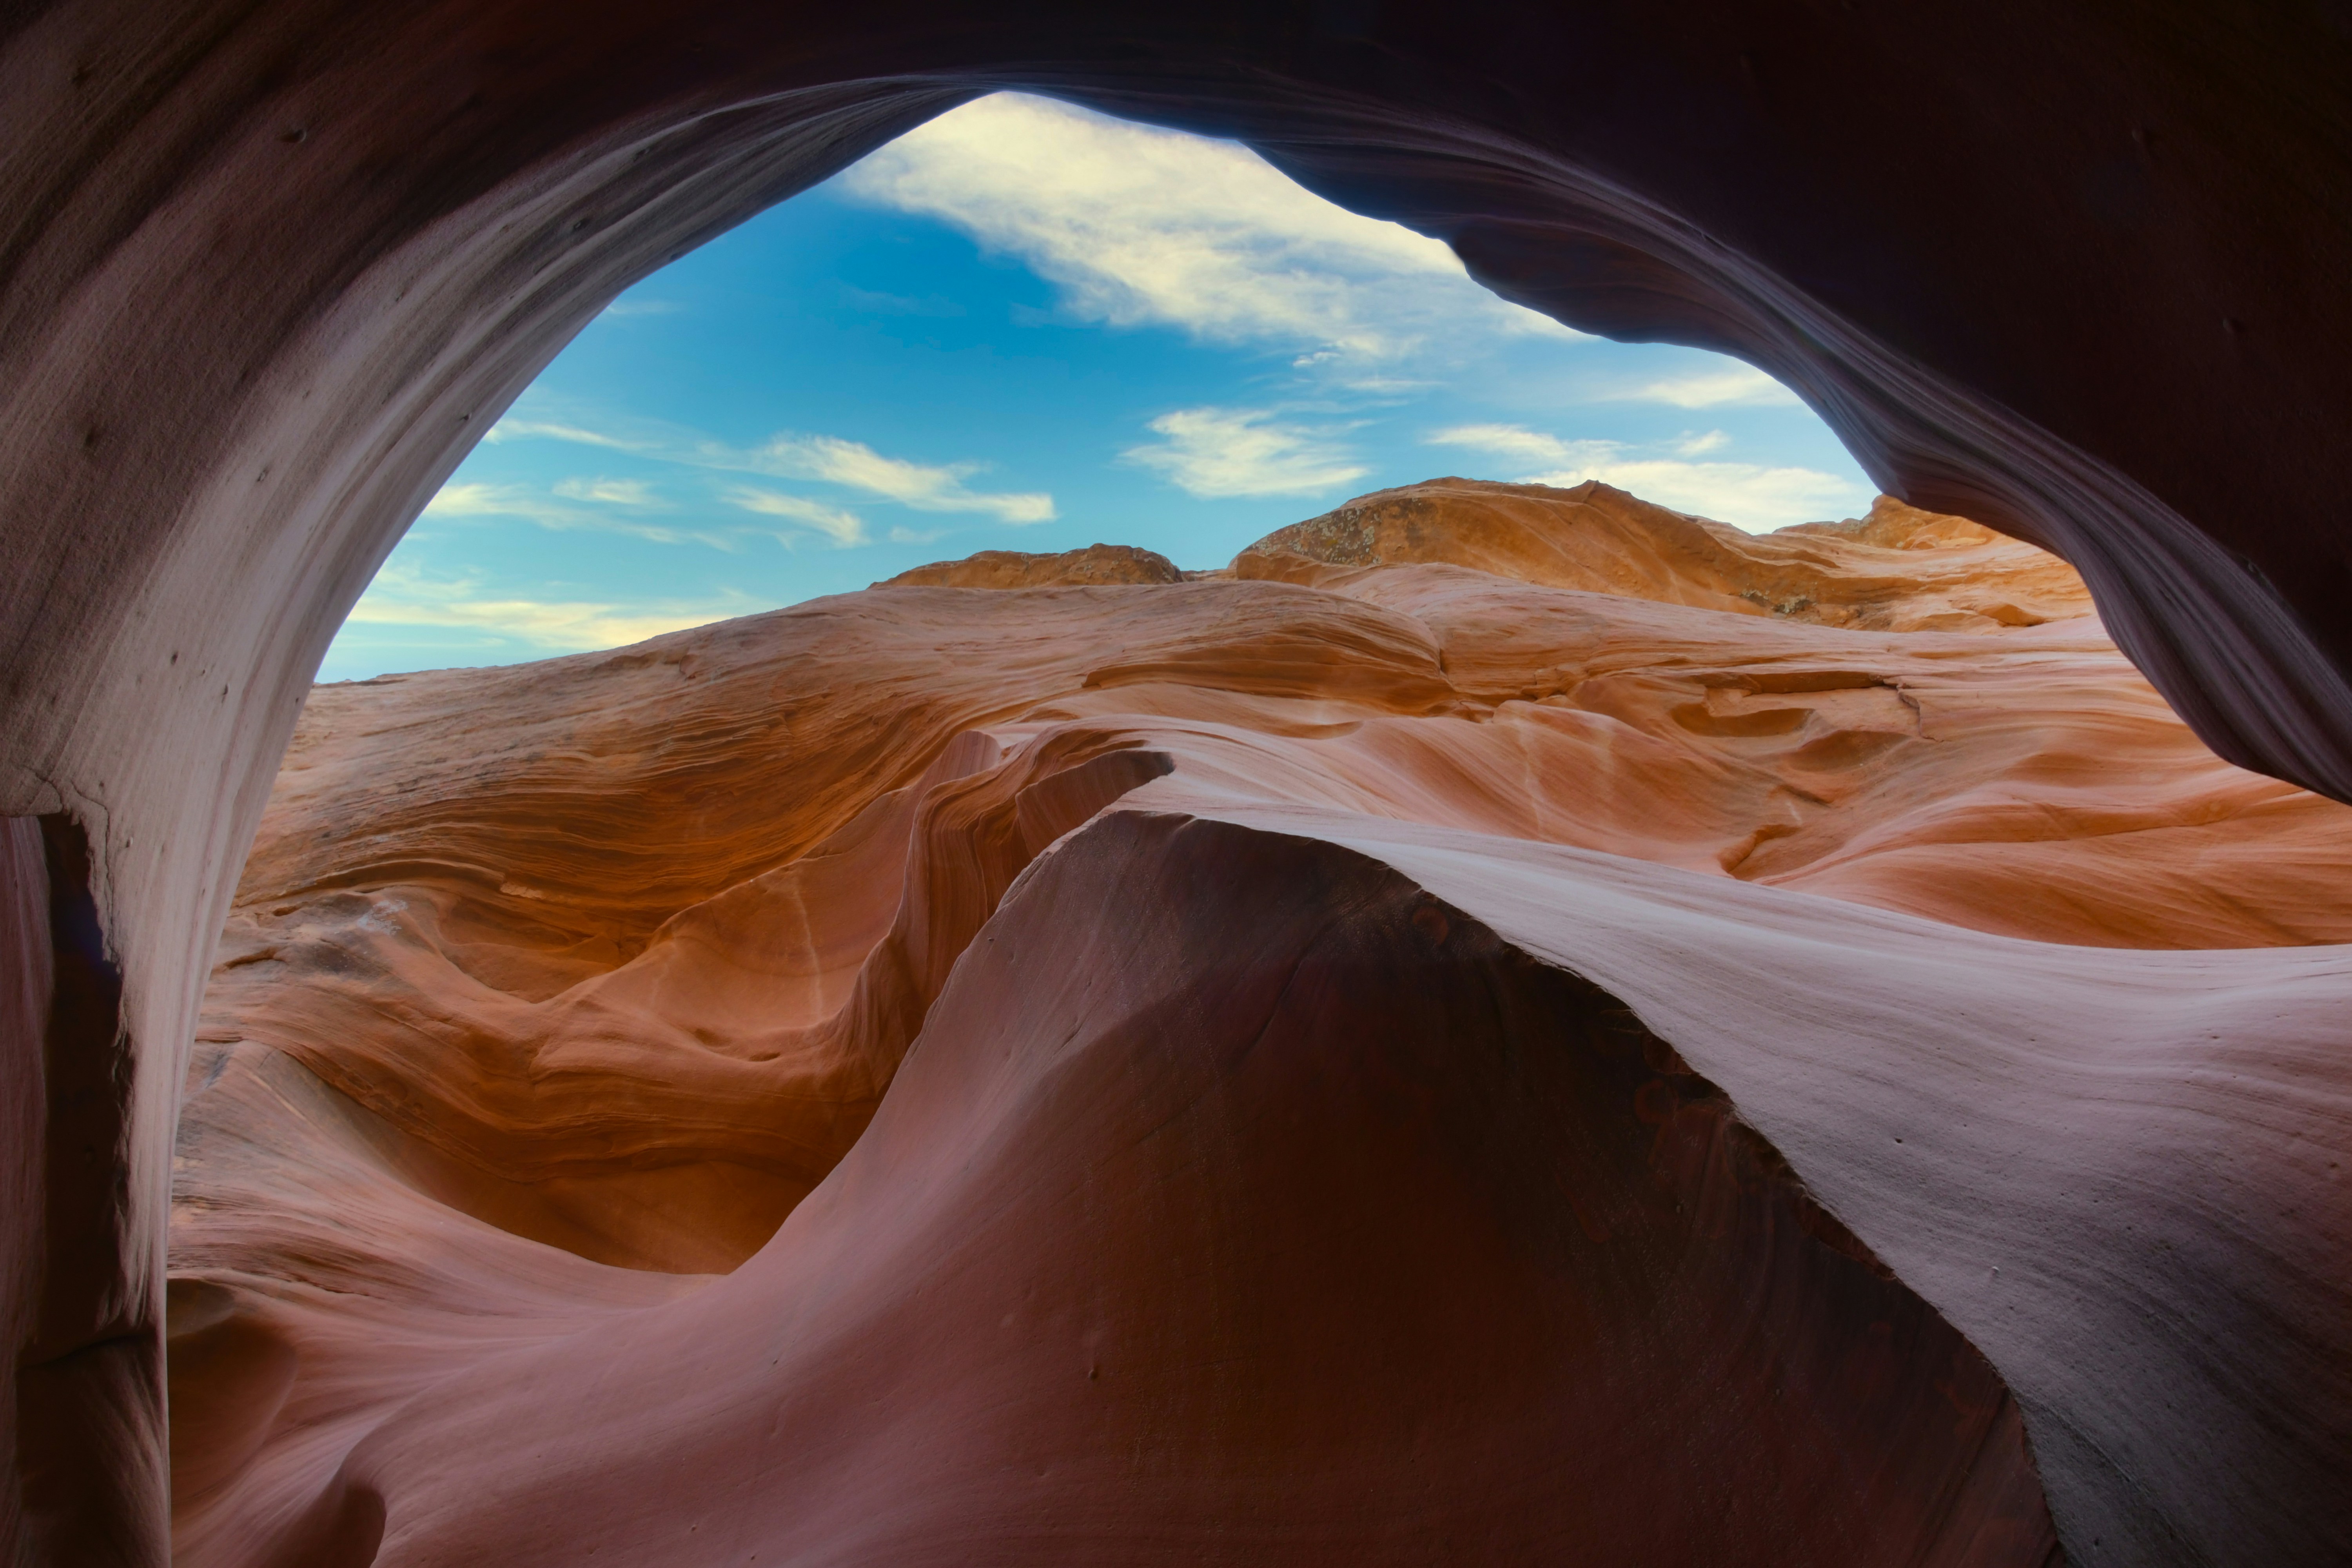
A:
(1020, 569)
(1368, 1073)
(1898, 570)
(265, 272)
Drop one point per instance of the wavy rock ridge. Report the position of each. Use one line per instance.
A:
(1470, 1036)
(1898, 569)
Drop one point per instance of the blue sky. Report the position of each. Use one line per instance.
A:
(1026, 327)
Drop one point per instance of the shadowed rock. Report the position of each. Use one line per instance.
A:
(1244, 1070)
(266, 271)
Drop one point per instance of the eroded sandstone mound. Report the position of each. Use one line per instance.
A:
(1473, 1040)
(1899, 569)
(1022, 569)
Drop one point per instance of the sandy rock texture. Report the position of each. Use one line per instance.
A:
(1025, 568)
(269, 269)
(1470, 1040)
(1898, 569)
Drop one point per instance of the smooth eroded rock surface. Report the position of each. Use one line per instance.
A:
(1024, 569)
(1899, 569)
(267, 269)
(1473, 1039)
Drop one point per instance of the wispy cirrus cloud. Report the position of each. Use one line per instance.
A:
(844, 528)
(516, 427)
(1752, 496)
(404, 597)
(829, 460)
(1140, 226)
(926, 486)
(547, 509)
(1732, 385)
(477, 498)
(1217, 453)
(610, 491)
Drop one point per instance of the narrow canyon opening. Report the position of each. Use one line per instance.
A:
(553, 988)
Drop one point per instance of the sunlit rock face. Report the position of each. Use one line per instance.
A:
(1056, 569)
(1516, 1027)
(1899, 569)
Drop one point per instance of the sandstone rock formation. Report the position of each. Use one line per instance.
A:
(1022, 569)
(1408, 1062)
(1899, 569)
(266, 270)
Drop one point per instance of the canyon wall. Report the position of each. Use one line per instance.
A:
(1356, 1055)
(267, 269)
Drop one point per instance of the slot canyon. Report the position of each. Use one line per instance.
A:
(1509, 1025)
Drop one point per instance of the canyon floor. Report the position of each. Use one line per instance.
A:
(1508, 1025)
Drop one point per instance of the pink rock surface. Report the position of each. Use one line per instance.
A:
(1026, 569)
(267, 270)
(1898, 569)
(1429, 1064)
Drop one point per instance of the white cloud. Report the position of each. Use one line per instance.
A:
(1146, 226)
(915, 536)
(513, 429)
(1690, 446)
(612, 492)
(476, 501)
(623, 308)
(1733, 384)
(925, 486)
(1222, 452)
(473, 500)
(844, 528)
(403, 596)
(1746, 495)
(1511, 441)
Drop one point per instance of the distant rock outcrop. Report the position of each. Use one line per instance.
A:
(1019, 569)
(1372, 1058)
(1898, 570)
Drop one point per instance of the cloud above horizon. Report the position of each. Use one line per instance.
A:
(484, 500)
(402, 595)
(1751, 496)
(844, 528)
(1220, 453)
(1733, 384)
(828, 459)
(1140, 226)
(610, 491)
(926, 486)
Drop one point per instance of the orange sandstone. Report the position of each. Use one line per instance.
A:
(1022, 569)
(1144, 1054)
(273, 268)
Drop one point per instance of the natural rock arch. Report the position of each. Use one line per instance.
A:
(266, 270)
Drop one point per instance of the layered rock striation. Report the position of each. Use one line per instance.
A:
(1898, 569)
(1058, 569)
(267, 270)
(1491, 1033)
